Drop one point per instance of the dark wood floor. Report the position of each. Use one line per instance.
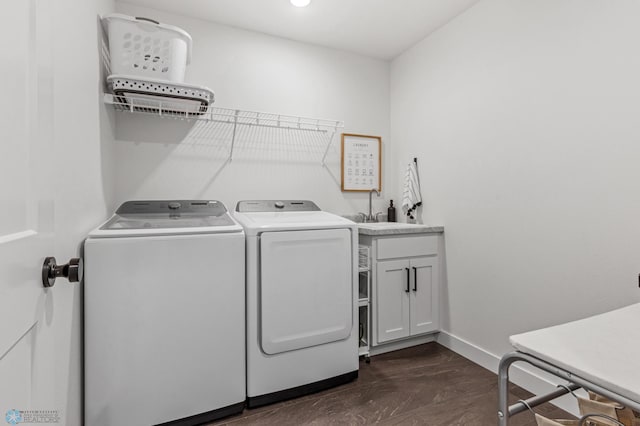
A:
(423, 385)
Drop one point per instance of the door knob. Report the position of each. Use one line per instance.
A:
(72, 271)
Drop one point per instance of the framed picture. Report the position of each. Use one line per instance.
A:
(361, 162)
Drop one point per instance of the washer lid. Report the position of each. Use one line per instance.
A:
(137, 218)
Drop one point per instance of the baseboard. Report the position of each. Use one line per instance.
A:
(536, 382)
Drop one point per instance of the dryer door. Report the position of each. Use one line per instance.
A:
(306, 293)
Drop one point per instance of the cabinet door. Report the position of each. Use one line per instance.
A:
(392, 300)
(424, 295)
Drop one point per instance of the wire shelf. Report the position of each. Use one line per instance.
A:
(234, 118)
(364, 258)
(182, 108)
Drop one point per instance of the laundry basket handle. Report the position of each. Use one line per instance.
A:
(140, 18)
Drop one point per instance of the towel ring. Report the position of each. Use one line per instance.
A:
(526, 404)
(568, 389)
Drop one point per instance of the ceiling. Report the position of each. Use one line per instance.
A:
(377, 28)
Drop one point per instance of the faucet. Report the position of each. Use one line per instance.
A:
(371, 217)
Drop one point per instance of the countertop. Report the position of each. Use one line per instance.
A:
(394, 228)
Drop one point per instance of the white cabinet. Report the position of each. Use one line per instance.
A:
(405, 297)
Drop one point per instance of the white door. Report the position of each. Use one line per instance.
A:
(26, 215)
(306, 288)
(424, 295)
(392, 300)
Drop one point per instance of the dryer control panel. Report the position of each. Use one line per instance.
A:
(276, 206)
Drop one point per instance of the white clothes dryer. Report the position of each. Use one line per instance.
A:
(301, 299)
(164, 314)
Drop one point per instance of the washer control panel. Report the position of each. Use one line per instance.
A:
(276, 206)
(169, 214)
(172, 207)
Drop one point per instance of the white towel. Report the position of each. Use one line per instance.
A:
(411, 198)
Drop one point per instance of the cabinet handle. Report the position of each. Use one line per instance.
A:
(408, 279)
(415, 278)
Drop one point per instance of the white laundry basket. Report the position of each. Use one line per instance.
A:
(146, 48)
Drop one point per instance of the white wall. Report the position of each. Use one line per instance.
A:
(524, 117)
(172, 159)
(84, 184)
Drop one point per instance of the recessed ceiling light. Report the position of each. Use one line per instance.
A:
(300, 3)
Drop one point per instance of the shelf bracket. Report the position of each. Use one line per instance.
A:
(329, 143)
(233, 135)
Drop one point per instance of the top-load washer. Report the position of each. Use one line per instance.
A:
(301, 299)
(164, 315)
